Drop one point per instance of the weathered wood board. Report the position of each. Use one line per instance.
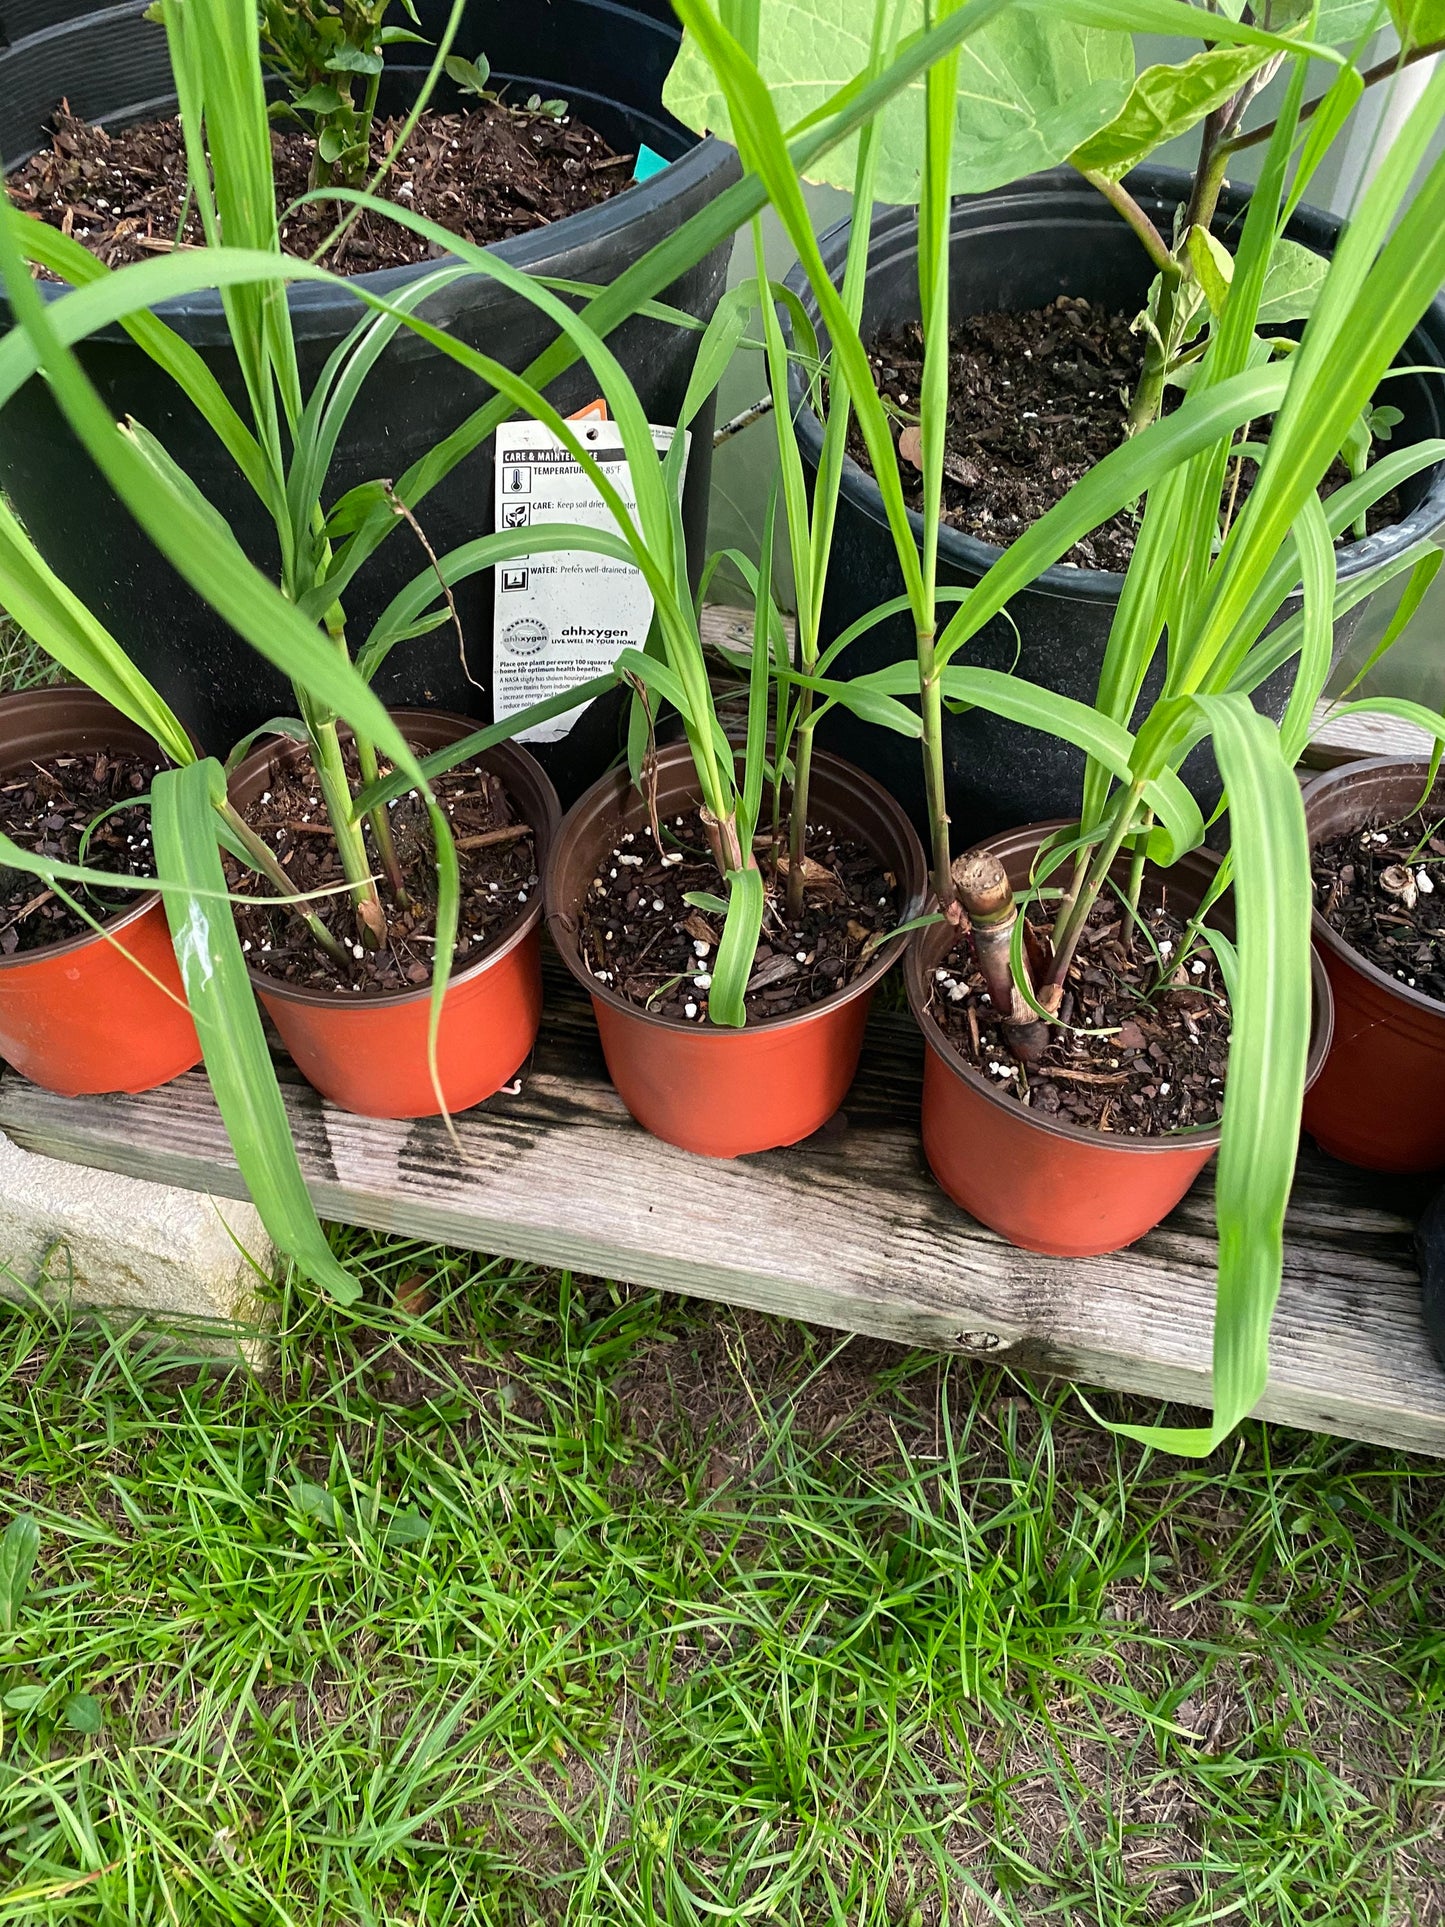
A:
(1342, 739)
(848, 1230)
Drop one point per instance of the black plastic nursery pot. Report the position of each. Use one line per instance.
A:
(1015, 250)
(609, 60)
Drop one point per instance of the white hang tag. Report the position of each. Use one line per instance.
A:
(561, 616)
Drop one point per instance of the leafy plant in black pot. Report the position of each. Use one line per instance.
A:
(609, 63)
(1018, 244)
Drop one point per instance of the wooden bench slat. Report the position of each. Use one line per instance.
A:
(848, 1230)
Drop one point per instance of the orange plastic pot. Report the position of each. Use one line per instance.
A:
(80, 1017)
(725, 1093)
(1380, 1101)
(369, 1054)
(1044, 1185)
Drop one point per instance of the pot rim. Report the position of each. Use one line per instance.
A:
(1200, 1139)
(1323, 932)
(562, 927)
(1317, 228)
(57, 696)
(502, 945)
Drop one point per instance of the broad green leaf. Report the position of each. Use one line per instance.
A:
(18, 1550)
(1030, 91)
(1418, 22)
(1341, 22)
(406, 1528)
(317, 1503)
(320, 99)
(25, 1699)
(354, 60)
(470, 75)
(1213, 266)
(1291, 282)
(223, 1004)
(1165, 101)
(82, 1712)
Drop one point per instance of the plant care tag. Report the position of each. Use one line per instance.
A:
(562, 615)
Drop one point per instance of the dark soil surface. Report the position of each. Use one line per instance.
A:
(1035, 401)
(1383, 889)
(486, 174)
(639, 938)
(1161, 1068)
(48, 809)
(495, 852)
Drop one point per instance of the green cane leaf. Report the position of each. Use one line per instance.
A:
(736, 949)
(1270, 1015)
(223, 1004)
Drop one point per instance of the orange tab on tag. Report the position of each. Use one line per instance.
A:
(595, 411)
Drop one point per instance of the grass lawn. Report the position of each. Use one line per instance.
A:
(515, 1597)
(522, 1597)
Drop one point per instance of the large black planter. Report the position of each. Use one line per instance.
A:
(609, 60)
(1017, 249)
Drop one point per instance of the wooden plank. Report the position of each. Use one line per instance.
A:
(848, 1230)
(1343, 739)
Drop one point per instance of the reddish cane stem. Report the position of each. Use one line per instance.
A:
(987, 895)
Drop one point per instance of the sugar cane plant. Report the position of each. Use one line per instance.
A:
(1205, 588)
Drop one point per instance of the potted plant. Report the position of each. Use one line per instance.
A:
(1046, 274)
(1377, 837)
(1127, 920)
(731, 905)
(90, 997)
(417, 418)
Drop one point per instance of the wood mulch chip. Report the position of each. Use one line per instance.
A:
(1383, 888)
(1149, 1047)
(486, 174)
(47, 808)
(496, 854)
(638, 936)
(1035, 401)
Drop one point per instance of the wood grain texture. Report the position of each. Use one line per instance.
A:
(1342, 740)
(848, 1230)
